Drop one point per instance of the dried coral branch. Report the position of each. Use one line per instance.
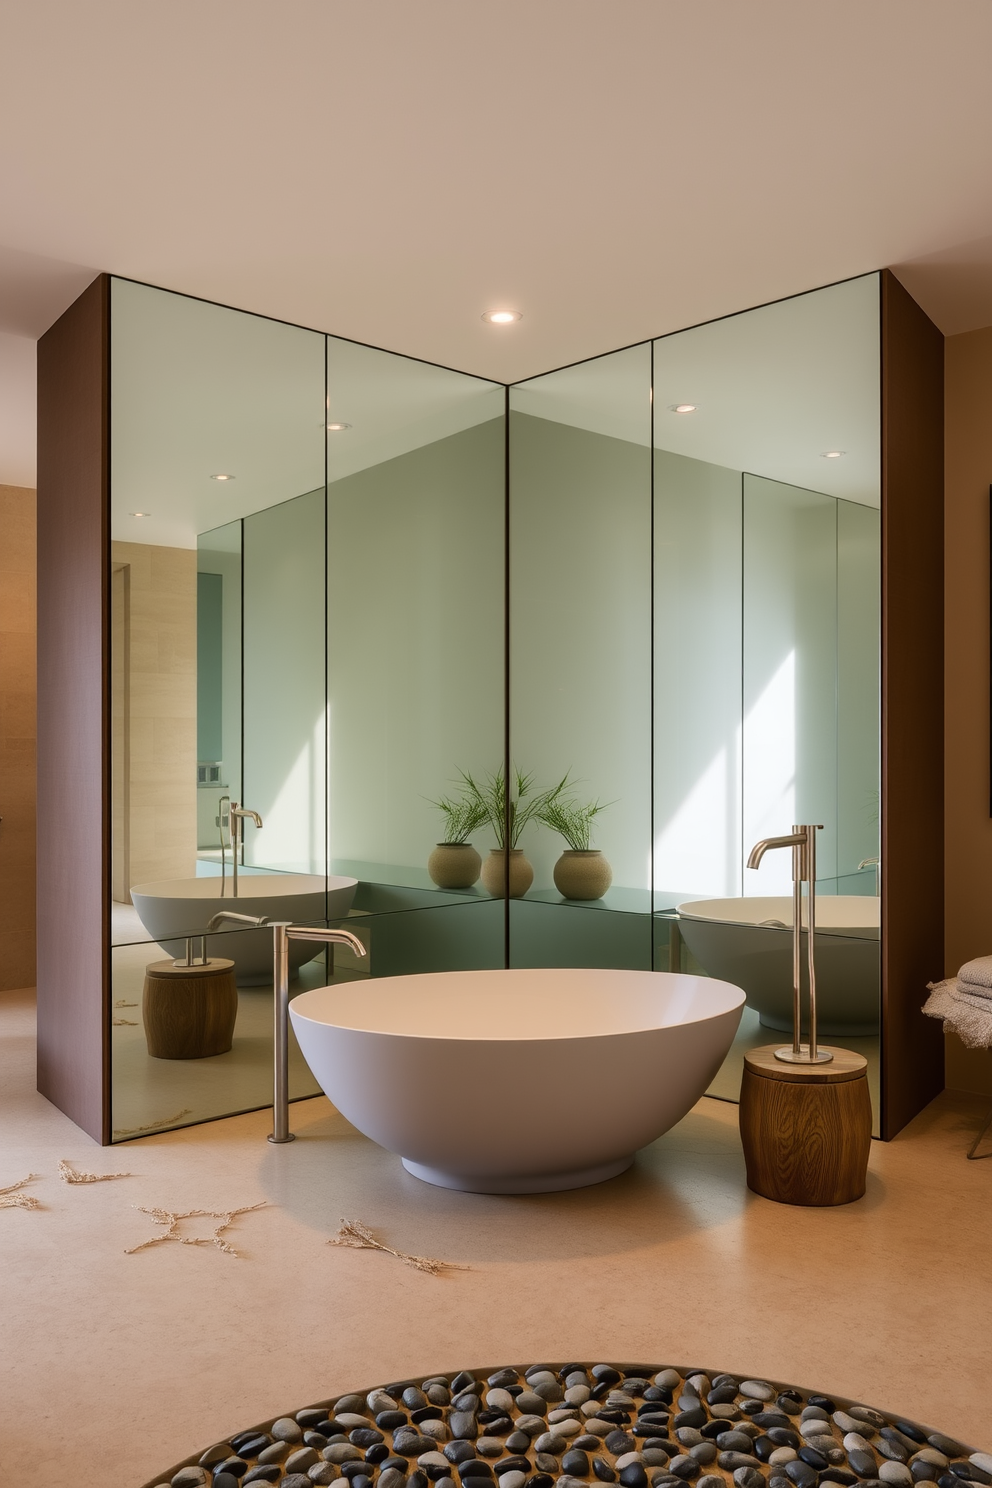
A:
(355, 1236)
(12, 1198)
(69, 1174)
(173, 1219)
(136, 1131)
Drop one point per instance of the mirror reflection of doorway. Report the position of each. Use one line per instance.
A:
(120, 748)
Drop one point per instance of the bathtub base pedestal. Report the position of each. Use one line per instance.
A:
(189, 1012)
(806, 1129)
(539, 1183)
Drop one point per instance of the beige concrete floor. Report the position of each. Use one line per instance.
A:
(114, 1366)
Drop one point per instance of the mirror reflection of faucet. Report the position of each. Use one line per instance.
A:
(875, 863)
(236, 815)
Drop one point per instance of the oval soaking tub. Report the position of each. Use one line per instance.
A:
(184, 906)
(520, 1081)
(729, 938)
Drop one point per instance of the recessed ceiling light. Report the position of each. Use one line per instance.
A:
(832, 454)
(335, 428)
(222, 477)
(682, 407)
(502, 317)
(139, 514)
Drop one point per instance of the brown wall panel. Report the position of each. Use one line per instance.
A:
(73, 712)
(17, 736)
(912, 702)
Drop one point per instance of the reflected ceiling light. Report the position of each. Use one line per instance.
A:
(139, 514)
(682, 407)
(222, 477)
(335, 428)
(502, 317)
(832, 454)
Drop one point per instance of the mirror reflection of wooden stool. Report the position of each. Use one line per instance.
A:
(806, 1129)
(189, 1010)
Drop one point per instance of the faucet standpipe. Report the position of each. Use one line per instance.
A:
(802, 840)
(283, 933)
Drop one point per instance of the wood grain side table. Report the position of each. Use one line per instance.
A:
(806, 1129)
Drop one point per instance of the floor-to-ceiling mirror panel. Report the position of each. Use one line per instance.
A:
(580, 665)
(766, 680)
(415, 619)
(217, 606)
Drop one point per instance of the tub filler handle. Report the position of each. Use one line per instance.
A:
(283, 933)
(802, 840)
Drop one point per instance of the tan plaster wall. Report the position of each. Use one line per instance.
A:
(18, 695)
(968, 829)
(161, 718)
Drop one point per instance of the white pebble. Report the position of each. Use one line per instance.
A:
(980, 1459)
(579, 1394)
(603, 1428)
(758, 1389)
(853, 1442)
(629, 1458)
(502, 1399)
(786, 1454)
(895, 1472)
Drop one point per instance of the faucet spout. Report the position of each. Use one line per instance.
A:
(794, 839)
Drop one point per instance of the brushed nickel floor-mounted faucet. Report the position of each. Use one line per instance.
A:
(284, 932)
(802, 840)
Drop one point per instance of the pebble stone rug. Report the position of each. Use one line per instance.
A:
(577, 1425)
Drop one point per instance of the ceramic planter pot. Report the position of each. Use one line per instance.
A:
(494, 873)
(454, 865)
(582, 875)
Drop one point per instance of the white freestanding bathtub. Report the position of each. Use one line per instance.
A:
(184, 906)
(519, 1081)
(732, 938)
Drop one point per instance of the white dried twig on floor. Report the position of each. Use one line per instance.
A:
(355, 1236)
(69, 1174)
(129, 1022)
(173, 1220)
(121, 1003)
(136, 1131)
(12, 1198)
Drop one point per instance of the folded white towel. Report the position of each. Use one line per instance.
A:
(977, 973)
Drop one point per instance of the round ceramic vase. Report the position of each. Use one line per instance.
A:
(582, 875)
(454, 865)
(494, 873)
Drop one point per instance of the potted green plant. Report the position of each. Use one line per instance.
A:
(454, 863)
(506, 872)
(581, 872)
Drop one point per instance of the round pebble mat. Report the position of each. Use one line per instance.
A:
(577, 1425)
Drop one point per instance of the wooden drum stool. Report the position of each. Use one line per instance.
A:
(806, 1129)
(189, 1012)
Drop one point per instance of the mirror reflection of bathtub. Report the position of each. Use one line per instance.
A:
(733, 940)
(183, 906)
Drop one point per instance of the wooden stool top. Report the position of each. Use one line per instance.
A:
(845, 1065)
(215, 966)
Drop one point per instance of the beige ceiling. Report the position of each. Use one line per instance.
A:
(389, 170)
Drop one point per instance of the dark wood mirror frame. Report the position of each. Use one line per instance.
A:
(74, 788)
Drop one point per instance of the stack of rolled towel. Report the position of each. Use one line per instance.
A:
(964, 1003)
